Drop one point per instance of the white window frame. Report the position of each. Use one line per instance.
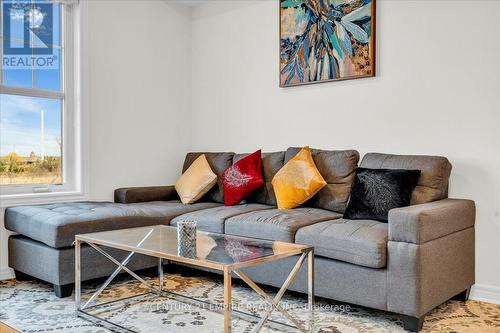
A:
(74, 147)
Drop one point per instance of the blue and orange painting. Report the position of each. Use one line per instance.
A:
(326, 40)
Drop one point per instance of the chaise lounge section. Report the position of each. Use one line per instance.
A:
(421, 258)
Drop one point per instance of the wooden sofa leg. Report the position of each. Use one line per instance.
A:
(463, 296)
(64, 290)
(20, 276)
(413, 324)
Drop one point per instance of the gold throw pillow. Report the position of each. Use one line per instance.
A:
(297, 181)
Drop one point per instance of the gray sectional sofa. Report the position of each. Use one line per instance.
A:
(421, 258)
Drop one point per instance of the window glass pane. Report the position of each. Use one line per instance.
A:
(49, 78)
(56, 35)
(32, 44)
(16, 32)
(17, 77)
(30, 140)
(46, 24)
(13, 18)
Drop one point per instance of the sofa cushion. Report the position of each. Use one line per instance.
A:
(57, 224)
(435, 173)
(218, 162)
(276, 224)
(212, 219)
(271, 163)
(360, 242)
(338, 169)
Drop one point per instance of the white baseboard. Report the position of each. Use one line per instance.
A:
(485, 293)
(6, 273)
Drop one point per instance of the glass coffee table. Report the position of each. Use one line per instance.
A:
(225, 253)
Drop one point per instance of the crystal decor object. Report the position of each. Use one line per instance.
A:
(186, 239)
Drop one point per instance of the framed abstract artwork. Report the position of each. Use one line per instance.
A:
(326, 40)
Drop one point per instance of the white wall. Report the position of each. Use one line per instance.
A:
(139, 93)
(437, 91)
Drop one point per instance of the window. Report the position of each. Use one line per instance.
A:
(38, 112)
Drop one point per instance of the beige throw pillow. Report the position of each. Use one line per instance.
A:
(197, 180)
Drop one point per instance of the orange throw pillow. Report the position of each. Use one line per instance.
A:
(297, 181)
(197, 180)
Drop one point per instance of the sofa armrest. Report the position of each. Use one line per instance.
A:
(422, 223)
(143, 194)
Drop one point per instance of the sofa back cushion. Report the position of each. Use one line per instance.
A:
(218, 162)
(435, 173)
(338, 168)
(271, 163)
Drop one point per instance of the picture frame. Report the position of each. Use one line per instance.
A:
(326, 40)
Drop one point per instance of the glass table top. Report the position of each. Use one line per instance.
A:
(216, 251)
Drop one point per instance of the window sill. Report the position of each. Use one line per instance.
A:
(40, 198)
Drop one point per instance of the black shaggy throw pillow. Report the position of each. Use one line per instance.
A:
(376, 191)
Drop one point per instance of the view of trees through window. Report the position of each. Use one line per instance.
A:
(31, 99)
(30, 140)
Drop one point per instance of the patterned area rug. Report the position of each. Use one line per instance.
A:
(32, 307)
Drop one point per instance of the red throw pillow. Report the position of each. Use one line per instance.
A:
(242, 178)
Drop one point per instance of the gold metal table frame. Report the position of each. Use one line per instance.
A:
(304, 252)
